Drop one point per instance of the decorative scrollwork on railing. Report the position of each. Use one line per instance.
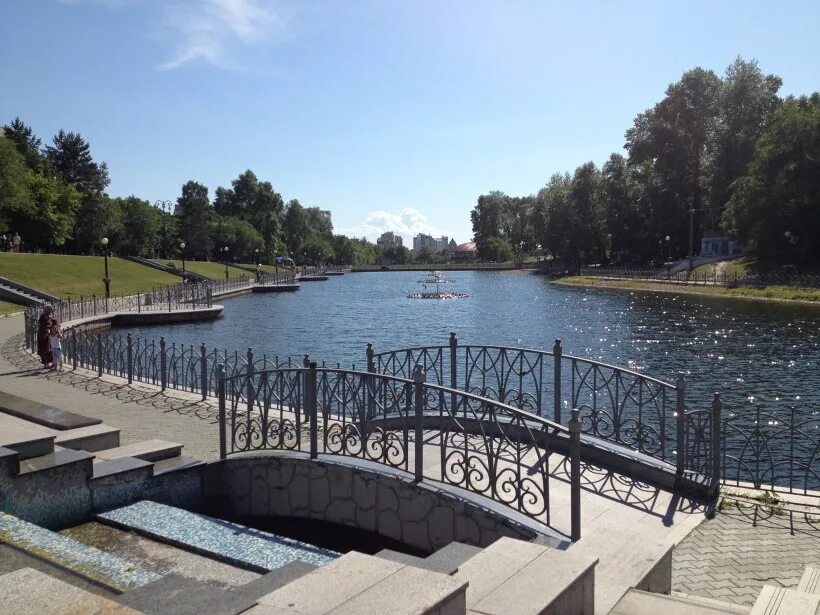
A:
(624, 407)
(513, 376)
(454, 437)
(777, 450)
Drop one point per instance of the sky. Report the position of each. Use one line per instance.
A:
(395, 115)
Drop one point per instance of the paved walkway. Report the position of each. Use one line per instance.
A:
(730, 558)
(141, 412)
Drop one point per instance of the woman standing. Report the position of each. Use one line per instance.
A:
(43, 334)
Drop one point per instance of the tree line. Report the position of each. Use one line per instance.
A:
(726, 151)
(55, 198)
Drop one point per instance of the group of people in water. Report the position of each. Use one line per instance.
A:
(49, 340)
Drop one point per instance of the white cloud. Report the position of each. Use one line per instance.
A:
(408, 223)
(207, 29)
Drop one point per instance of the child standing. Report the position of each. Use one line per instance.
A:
(56, 337)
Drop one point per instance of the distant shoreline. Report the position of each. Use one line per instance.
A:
(438, 267)
(778, 294)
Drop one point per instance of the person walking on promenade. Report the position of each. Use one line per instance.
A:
(44, 337)
(56, 340)
(16, 242)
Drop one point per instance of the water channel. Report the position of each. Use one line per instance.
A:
(742, 348)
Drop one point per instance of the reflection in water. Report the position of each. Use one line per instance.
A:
(740, 348)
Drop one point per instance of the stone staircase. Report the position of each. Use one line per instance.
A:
(22, 295)
(772, 600)
(167, 269)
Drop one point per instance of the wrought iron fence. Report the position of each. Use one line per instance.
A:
(221, 286)
(178, 296)
(705, 278)
(480, 444)
(279, 277)
(616, 404)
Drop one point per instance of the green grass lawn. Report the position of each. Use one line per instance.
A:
(65, 276)
(788, 293)
(738, 266)
(10, 308)
(213, 270)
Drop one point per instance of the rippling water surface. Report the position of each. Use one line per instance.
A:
(740, 348)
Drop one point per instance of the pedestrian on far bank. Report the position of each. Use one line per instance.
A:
(16, 242)
(56, 341)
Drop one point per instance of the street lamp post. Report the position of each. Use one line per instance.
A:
(668, 257)
(182, 249)
(225, 250)
(106, 280)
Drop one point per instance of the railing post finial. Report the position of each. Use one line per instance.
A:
(575, 475)
(306, 361)
(453, 339)
(371, 366)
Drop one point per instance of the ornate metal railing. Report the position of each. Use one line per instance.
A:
(479, 444)
(279, 277)
(178, 296)
(221, 286)
(616, 404)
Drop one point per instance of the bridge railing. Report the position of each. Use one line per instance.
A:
(432, 432)
(619, 405)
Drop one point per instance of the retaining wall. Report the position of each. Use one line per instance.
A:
(363, 495)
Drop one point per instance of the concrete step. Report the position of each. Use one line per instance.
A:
(58, 458)
(43, 414)
(356, 584)
(175, 464)
(175, 594)
(513, 577)
(150, 450)
(783, 601)
(120, 468)
(92, 438)
(637, 602)
(101, 567)
(446, 560)
(28, 439)
(30, 591)
(810, 581)
(221, 540)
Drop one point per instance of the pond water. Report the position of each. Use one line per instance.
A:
(740, 348)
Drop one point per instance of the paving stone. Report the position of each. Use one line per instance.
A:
(731, 559)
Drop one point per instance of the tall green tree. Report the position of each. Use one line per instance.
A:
(674, 137)
(195, 214)
(141, 226)
(254, 202)
(55, 205)
(745, 103)
(26, 142)
(775, 208)
(15, 197)
(296, 228)
(70, 158)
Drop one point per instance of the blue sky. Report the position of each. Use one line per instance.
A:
(392, 114)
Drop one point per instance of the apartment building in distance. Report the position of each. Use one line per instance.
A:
(389, 239)
(436, 245)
